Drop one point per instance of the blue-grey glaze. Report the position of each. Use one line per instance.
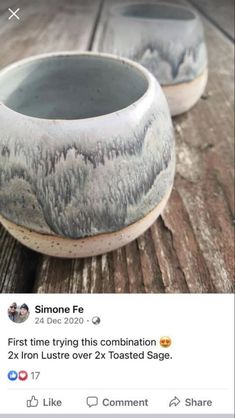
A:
(78, 178)
(167, 39)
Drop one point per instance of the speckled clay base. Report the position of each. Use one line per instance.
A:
(70, 248)
(181, 97)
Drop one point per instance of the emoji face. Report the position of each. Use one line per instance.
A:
(165, 341)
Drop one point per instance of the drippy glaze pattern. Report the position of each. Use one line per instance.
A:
(83, 178)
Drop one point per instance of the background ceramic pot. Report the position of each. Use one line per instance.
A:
(167, 39)
(87, 153)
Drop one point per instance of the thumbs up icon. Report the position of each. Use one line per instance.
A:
(32, 403)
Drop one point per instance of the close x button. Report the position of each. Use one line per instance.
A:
(13, 14)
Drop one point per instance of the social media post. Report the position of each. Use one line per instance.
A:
(106, 142)
(112, 354)
(116, 208)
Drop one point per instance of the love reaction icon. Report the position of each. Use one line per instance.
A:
(23, 375)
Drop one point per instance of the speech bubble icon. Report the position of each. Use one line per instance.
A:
(92, 401)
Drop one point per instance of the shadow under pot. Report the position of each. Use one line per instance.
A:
(87, 153)
(168, 40)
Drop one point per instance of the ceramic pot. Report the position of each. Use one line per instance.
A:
(86, 152)
(168, 40)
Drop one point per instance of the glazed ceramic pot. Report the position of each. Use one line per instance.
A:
(167, 39)
(86, 152)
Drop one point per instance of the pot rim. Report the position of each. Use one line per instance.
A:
(114, 11)
(151, 83)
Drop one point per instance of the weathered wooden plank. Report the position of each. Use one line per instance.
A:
(172, 275)
(219, 12)
(205, 163)
(191, 260)
(120, 274)
(17, 265)
(152, 276)
(108, 284)
(47, 26)
(134, 271)
(64, 275)
(43, 28)
(88, 275)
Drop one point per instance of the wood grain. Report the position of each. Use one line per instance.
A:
(190, 248)
(219, 12)
(47, 26)
(17, 265)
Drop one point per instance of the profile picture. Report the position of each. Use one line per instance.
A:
(18, 313)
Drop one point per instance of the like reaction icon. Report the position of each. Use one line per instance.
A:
(33, 402)
(12, 375)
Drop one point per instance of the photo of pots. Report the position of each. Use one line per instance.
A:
(116, 163)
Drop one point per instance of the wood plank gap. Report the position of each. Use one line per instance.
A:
(173, 275)
(211, 20)
(97, 21)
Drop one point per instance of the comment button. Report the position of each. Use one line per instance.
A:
(92, 401)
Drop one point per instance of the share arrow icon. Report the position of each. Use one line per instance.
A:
(174, 402)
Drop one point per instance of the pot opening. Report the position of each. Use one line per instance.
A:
(156, 11)
(71, 86)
